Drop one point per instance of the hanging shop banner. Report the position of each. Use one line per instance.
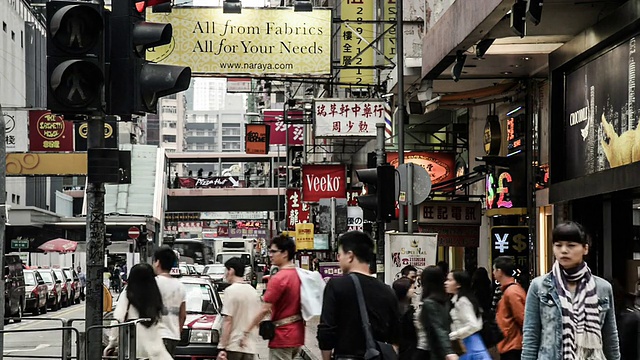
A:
(402, 249)
(355, 218)
(257, 41)
(278, 130)
(297, 211)
(454, 235)
(512, 241)
(211, 182)
(48, 132)
(324, 182)
(345, 117)
(304, 236)
(110, 135)
(441, 166)
(356, 35)
(448, 212)
(16, 128)
(257, 139)
(601, 113)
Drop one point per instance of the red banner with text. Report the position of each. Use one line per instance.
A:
(324, 182)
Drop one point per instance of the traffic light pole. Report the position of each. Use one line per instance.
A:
(380, 223)
(96, 231)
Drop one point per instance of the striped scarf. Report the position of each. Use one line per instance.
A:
(581, 334)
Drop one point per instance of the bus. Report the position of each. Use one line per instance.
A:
(194, 251)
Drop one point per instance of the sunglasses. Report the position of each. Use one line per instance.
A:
(274, 251)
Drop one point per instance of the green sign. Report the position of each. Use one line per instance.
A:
(20, 244)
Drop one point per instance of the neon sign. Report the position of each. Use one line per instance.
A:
(497, 191)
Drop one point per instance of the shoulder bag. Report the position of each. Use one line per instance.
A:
(376, 350)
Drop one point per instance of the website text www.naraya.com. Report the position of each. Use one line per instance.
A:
(255, 66)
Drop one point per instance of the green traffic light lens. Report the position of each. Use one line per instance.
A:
(76, 28)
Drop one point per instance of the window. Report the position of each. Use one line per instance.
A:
(200, 147)
(4, 26)
(13, 198)
(18, 199)
(13, 36)
(226, 131)
(169, 138)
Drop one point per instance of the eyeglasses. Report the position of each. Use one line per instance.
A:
(271, 251)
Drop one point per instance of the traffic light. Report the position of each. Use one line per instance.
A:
(135, 84)
(75, 57)
(110, 166)
(380, 196)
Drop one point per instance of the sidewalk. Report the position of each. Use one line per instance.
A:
(309, 352)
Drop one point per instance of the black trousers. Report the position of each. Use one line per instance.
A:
(511, 355)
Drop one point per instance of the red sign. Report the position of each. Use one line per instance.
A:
(211, 182)
(324, 182)
(441, 166)
(297, 211)
(257, 139)
(352, 196)
(278, 132)
(48, 132)
(133, 232)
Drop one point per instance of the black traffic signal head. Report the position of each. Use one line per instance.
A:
(381, 196)
(75, 57)
(135, 84)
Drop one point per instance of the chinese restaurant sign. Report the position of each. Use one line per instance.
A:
(440, 165)
(279, 130)
(340, 117)
(48, 132)
(297, 211)
(258, 41)
(324, 182)
(512, 241)
(447, 212)
(257, 139)
(601, 113)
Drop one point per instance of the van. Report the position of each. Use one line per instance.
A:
(14, 297)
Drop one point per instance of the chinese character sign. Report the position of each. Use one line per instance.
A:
(447, 212)
(341, 117)
(390, 30)
(355, 218)
(297, 211)
(278, 129)
(16, 124)
(48, 132)
(355, 36)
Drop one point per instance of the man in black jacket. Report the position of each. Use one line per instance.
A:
(340, 329)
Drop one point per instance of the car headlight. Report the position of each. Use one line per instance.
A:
(200, 336)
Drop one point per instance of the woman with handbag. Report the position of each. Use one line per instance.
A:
(466, 316)
(434, 317)
(141, 300)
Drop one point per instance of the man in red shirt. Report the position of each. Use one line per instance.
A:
(510, 309)
(282, 300)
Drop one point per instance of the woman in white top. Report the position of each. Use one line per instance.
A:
(466, 316)
(141, 300)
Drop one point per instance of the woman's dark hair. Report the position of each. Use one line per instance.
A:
(464, 280)
(570, 231)
(432, 279)
(401, 288)
(482, 288)
(284, 243)
(143, 293)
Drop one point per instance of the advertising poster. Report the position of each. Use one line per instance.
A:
(304, 236)
(257, 139)
(402, 249)
(601, 113)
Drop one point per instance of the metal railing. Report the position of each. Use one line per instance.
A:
(126, 339)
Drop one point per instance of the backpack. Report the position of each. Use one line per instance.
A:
(311, 293)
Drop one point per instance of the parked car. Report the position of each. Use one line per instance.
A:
(216, 272)
(66, 287)
(199, 339)
(54, 301)
(36, 292)
(72, 276)
(14, 288)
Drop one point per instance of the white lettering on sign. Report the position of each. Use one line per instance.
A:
(323, 183)
(579, 116)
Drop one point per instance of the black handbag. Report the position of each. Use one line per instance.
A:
(267, 329)
(376, 350)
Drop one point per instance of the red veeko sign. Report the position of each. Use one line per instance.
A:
(323, 182)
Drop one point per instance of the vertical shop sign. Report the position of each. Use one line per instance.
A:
(389, 43)
(257, 139)
(355, 36)
(512, 241)
(297, 211)
(355, 218)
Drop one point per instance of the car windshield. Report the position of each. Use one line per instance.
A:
(222, 258)
(46, 276)
(191, 250)
(67, 273)
(199, 299)
(30, 278)
(59, 274)
(215, 270)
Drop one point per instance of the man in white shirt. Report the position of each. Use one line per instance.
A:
(174, 298)
(241, 304)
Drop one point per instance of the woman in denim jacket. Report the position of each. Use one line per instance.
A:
(569, 312)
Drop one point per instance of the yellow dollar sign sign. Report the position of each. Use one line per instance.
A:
(519, 243)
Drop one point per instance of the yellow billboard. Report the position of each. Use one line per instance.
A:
(304, 236)
(356, 35)
(256, 42)
(390, 30)
(49, 164)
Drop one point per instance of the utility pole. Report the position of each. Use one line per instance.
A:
(96, 231)
(381, 158)
(400, 114)
(3, 220)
